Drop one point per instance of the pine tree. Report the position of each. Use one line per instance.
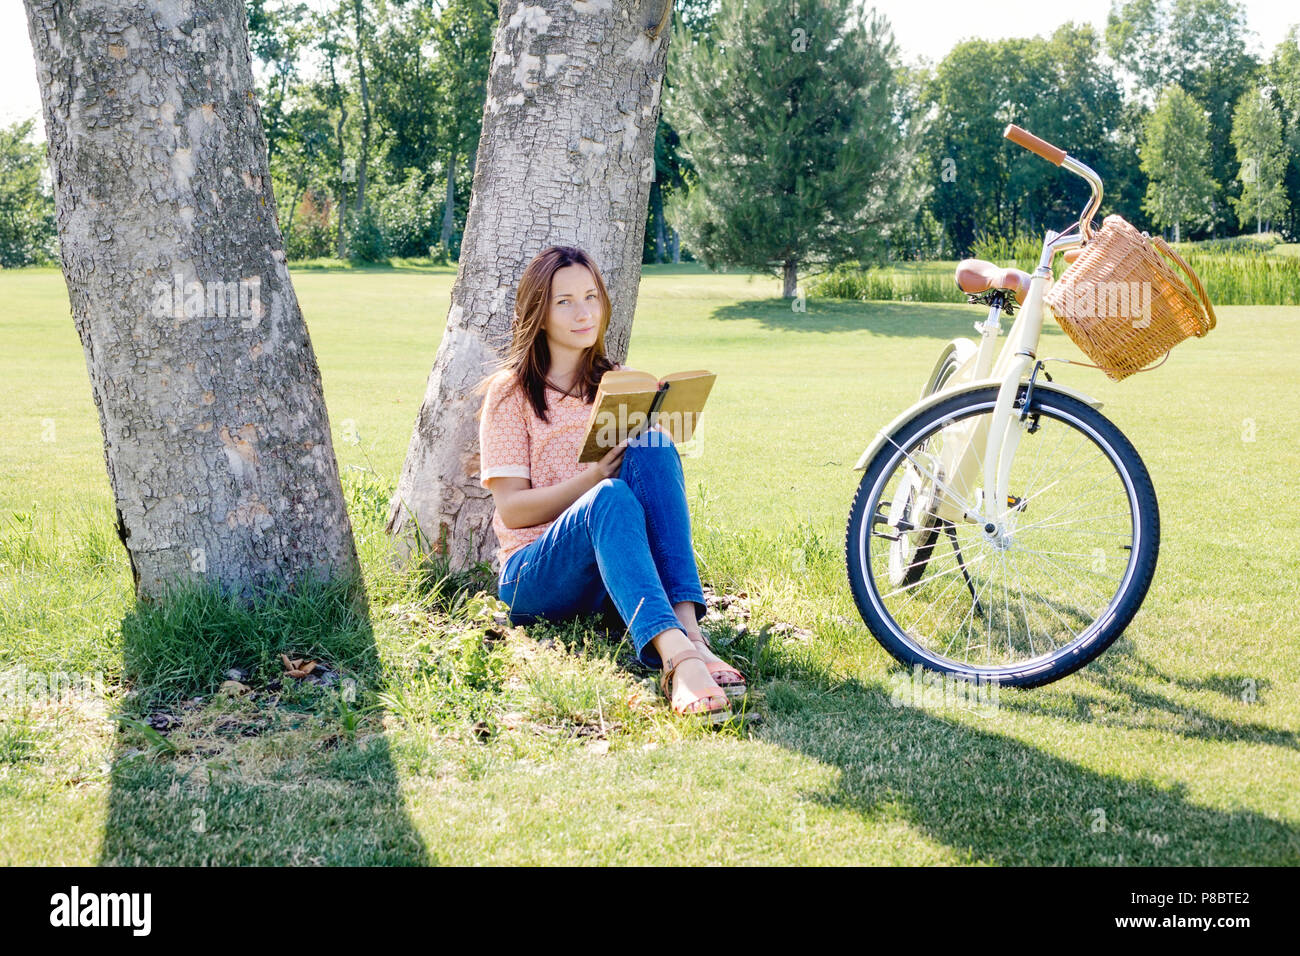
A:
(1175, 155)
(789, 112)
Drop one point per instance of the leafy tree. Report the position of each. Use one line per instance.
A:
(296, 120)
(302, 159)
(463, 35)
(1200, 46)
(1284, 82)
(692, 22)
(278, 35)
(404, 86)
(790, 115)
(965, 152)
(1176, 158)
(26, 208)
(1257, 135)
(1056, 88)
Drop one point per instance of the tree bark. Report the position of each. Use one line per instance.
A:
(216, 438)
(293, 208)
(791, 278)
(364, 159)
(657, 207)
(341, 202)
(565, 158)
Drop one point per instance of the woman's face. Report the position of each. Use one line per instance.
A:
(573, 314)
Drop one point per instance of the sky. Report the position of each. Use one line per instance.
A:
(921, 29)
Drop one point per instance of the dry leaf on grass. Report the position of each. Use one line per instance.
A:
(297, 668)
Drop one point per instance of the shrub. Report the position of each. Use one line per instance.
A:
(312, 234)
(404, 213)
(366, 242)
(854, 282)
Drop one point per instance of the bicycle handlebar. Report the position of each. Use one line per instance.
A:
(1032, 143)
(1059, 157)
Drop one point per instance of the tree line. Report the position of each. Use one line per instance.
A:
(792, 136)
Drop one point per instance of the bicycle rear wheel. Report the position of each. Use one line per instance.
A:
(910, 552)
(1052, 586)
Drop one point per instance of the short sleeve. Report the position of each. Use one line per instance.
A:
(503, 433)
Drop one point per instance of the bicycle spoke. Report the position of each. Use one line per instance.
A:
(1038, 586)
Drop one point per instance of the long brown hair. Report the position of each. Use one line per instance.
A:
(529, 358)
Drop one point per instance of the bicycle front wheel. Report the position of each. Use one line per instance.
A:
(1032, 598)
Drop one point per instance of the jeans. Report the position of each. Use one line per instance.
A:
(627, 540)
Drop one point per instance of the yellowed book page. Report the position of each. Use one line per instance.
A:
(680, 411)
(627, 380)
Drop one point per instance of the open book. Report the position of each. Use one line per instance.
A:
(628, 402)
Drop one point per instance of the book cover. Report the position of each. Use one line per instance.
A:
(629, 401)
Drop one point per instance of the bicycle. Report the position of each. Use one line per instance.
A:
(1004, 530)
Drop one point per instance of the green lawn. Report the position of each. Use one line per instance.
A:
(1179, 746)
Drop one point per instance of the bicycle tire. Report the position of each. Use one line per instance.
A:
(908, 566)
(1093, 639)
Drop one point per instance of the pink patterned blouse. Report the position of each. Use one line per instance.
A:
(515, 443)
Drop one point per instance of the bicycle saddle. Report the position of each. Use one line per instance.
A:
(975, 276)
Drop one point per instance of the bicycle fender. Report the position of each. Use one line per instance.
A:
(931, 400)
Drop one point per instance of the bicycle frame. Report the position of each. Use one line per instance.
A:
(954, 470)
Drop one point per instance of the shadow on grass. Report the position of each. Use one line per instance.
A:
(273, 775)
(972, 786)
(1122, 673)
(927, 320)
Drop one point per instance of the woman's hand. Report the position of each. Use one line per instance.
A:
(612, 462)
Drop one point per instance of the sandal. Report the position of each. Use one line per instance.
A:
(724, 675)
(694, 710)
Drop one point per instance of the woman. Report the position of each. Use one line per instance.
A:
(574, 536)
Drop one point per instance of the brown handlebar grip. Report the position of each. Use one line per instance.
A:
(1035, 145)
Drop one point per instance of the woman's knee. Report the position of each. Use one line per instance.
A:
(654, 450)
(613, 493)
(652, 438)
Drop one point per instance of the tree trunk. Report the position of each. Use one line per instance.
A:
(657, 206)
(677, 247)
(216, 439)
(449, 207)
(567, 139)
(341, 202)
(293, 208)
(791, 278)
(364, 158)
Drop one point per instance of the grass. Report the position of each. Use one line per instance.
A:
(437, 734)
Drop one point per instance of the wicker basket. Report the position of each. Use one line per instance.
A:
(1122, 303)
